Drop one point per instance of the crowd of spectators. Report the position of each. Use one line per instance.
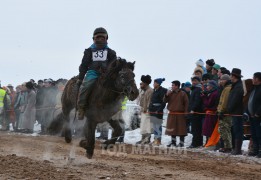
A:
(215, 97)
(28, 103)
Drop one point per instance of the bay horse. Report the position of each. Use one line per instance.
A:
(104, 101)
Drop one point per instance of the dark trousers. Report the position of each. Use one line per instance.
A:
(237, 123)
(196, 129)
(256, 131)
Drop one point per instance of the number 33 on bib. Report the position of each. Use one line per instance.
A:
(100, 55)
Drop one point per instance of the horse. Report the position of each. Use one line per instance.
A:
(104, 101)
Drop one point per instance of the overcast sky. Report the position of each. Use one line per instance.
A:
(46, 38)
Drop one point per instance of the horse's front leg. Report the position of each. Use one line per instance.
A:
(89, 142)
(117, 132)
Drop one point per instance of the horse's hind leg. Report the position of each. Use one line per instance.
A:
(67, 126)
(117, 132)
(89, 142)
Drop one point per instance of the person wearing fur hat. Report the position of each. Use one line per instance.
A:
(27, 123)
(209, 64)
(200, 66)
(225, 122)
(210, 100)
(156, 108)
(145, 97)
(195, 105)
(235, 107)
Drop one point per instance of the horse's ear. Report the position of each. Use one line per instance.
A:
(130, 65)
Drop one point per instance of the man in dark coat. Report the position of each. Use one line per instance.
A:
(195, 105)
(156, 108)
(235, 107)
(253, 112)
(95, 61)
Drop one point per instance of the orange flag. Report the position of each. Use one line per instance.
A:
(215, 136)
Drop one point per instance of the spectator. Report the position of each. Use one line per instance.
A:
(7, 107)
(198, 73)
(144, 99)
(205, 79)
(17, 106)
(39, 84)
(235, 107)
(195, 105)
(27, 125)
(209, 64)
(225, 122)
(11, 114)
(156, 109)
(176, 123)
(22, 105)
(200, 67)
(3, 104)
(210, 99)
(215, 69)
(253, 112)
(48, 104)
(187, 88)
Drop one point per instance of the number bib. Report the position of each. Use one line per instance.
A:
(100, 55)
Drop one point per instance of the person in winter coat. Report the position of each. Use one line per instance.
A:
(144, 102)
(176, 123)
(253, 113)
(210, 102)
(7, 109)
(95, 61)
(215, 69)
(11, 114)
(200, 66)
(156, 108)
(195, 105)
(225, 122)
(205, 79)
(209, 65)
(27, 124)
(22, 102)
(187, 88)
(17, 106)
(4, 105)
(235, 108)
(47, 104)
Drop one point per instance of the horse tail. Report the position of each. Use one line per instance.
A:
(56, 125)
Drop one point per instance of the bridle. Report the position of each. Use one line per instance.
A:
(124, 90)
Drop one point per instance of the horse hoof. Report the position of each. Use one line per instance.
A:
(89, 156)
(89, 153)
(83, 144)
(68, 139)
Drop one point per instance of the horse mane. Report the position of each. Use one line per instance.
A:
(114, 68)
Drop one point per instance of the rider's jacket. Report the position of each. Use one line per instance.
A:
(97, 60)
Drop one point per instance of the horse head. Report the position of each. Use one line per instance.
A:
(123, 78)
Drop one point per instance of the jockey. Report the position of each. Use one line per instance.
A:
(94, 62)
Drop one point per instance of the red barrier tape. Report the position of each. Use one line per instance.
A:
(171, 113)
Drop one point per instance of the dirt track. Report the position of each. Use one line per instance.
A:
(49, 157)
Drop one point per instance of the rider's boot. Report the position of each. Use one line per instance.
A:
(85, 91)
